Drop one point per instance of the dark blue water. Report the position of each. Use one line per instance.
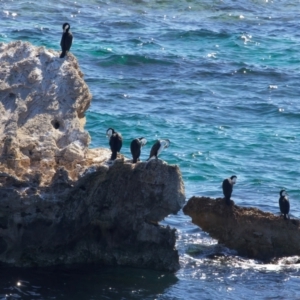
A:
(220, 79)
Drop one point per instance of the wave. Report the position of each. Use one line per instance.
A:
(195, 34)
(124, 24)
(135, 60)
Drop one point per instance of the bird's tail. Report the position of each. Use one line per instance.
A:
(113, 155)
(285, 217)
(63, 54)
(227, 200)
(134, 161)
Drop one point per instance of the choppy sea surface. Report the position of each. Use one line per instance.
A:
(220, 79)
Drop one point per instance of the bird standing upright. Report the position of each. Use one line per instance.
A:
(227, 187)
(66, 40)
(115, 142)
(135, 148)
(284, 204)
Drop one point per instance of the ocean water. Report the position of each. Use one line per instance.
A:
(220, 79)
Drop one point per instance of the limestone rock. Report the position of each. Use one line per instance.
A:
(61, 202)
(250, 231)
(43, 100)
(108, 216)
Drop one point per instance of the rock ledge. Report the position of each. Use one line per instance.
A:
(249, 231)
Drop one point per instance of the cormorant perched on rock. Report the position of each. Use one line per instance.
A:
(228, 187)
(158, 147)
(135, 148)
(66, 40)
(115, 142)
(284, 204)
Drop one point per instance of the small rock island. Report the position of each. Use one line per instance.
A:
(60, 202)
(249, 231)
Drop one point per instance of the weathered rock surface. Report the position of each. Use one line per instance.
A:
(43, 100)
(250, 231)
(60, 202)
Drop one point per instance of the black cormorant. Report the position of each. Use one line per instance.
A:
(228, 187)
(115, 142)
(66, 40)
(135, 148)
(284, 204)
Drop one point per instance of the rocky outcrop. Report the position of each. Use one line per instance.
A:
(61, 202)
(108, 216)
(250, 231)
(43, 101)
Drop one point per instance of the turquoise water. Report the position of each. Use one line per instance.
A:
(220, 79)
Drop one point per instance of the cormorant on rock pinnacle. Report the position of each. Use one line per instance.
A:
(158, 147)
(135, 148)
(66, 40)
(115, 142)
(284, 204)
(228, 187)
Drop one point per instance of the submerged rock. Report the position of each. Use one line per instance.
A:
(61, 203)
(249, 231)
